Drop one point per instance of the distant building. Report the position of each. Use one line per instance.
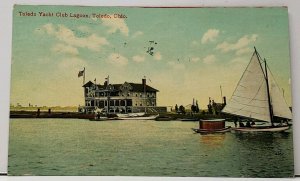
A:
(120, 98)
(216, 108)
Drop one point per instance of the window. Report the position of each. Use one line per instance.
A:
(111, 103)
(122, 102)
(129, 102)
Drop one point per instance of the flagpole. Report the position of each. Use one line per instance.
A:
(221, 94)
(83, 75)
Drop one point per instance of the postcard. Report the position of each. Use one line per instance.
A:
(135, 91)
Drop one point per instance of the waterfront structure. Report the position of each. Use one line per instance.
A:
(120, 98)
(214, 107)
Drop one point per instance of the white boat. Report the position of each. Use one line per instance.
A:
(258, 97)
(131, 115)
(262, 129)
(153, 117)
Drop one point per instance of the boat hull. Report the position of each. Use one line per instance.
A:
(212, 130)
(189, 119)
(131, 115)
(101, 119)
(262, 129)
(163, 119)
(139, 118)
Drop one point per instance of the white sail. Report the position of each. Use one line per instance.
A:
(250, 98)
(280, 107)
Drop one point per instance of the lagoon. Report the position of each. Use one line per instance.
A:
(143, 148)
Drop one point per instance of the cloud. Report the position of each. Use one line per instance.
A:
(238, 60)
(240, 44)
(157, 56)
(176, 66)
(73, 63)
(194, 43)
(117, 60)
(116, 24)
(136, 34)
(209, 59)
(67, 36)
(243, 51)
(195, 59)
(210, 36)
(63, 48)
(84, 29)
(138, 58)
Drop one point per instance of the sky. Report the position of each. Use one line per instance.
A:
(197, 50)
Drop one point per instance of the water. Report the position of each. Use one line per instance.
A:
(143, 148)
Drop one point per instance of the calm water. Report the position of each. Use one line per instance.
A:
(143, 148)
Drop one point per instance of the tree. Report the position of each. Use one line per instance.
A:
(193, 108)
(182, 109)
(197, 107)
(176, 108)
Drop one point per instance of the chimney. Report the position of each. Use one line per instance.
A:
(224, 100)
(144, 84)
(105, 84)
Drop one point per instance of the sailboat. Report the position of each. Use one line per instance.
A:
(257, 97)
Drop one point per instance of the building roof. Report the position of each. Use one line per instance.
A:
(135, 87)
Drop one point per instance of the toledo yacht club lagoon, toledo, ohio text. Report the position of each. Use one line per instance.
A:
(73, 15)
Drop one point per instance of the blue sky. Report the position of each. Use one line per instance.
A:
(197, 50)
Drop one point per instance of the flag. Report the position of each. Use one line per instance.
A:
(80, 73)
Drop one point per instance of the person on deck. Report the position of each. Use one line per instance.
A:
(235, 123)
(248, 124)
(241, 124)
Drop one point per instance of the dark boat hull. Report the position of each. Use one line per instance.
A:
(212, 130)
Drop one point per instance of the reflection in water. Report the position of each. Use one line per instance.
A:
(264, 152)
(262, 136)
(213, 140)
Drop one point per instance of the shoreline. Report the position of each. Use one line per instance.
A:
(74, 115)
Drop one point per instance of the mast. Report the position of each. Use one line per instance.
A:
(268, 88)
(269, 97)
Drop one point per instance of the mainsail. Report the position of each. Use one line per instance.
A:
(250, 98)
(280, 107)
